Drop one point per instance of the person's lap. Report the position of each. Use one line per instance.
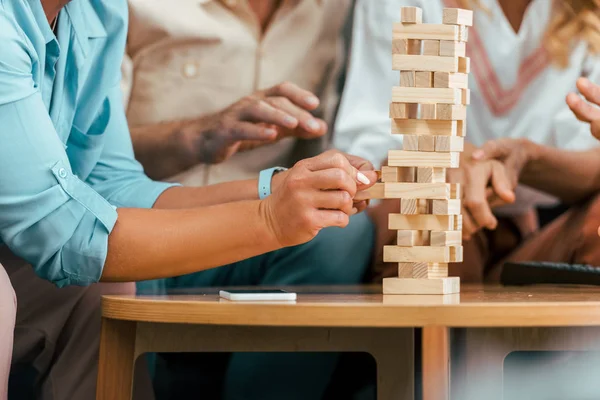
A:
(57, 332)
(572, 238)
(335, 256)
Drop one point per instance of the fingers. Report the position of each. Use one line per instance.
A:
(589, 90)
(333, 179)
(334, 200)
(329, 218)
(262, 112)
(469, 225)
(501, 183)
(310, 126)
(361, 206)
(335, 159)
(583, 111)
(248, 131)
(492, 149)
(300, 97)
(475, 200)
(595, 128)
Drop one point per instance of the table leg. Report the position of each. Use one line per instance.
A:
(117, 357)
(436, 363)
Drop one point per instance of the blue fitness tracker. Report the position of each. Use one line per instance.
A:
(264, 181)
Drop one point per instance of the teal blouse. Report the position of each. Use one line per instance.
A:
(66, 159)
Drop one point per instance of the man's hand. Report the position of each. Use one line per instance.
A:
(261, 118)
(583, 110)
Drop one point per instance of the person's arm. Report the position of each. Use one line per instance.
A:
(168, 148)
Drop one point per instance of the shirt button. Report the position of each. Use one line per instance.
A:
(190, 70)
(62, 173)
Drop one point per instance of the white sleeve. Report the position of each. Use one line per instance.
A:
(363, 124)
(570, 133)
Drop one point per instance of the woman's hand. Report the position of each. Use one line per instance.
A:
(316, 193)
(481, 182)
(583, 110)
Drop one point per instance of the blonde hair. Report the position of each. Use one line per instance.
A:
(574, 21)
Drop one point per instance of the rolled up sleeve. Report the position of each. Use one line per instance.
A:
(48, 216)
(118, 176)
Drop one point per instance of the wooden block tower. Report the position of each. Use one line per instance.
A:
(429, 109)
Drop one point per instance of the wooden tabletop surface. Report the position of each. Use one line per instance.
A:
(365, 306)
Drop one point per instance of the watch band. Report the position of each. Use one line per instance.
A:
(264, 181)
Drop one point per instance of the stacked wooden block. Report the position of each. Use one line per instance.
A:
(429, 109)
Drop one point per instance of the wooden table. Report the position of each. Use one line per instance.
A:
(323, 319)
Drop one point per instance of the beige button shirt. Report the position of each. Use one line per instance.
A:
(187, 58)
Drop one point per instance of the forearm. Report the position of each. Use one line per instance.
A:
(163, 149)
(193, 197)
(153, 244)
(568, 175)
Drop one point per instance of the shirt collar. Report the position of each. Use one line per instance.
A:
(41, 20)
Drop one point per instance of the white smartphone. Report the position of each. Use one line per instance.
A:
(257, 295)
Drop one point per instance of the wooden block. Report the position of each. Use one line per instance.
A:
(450, 80)
(424, 206)
(377, 191)
(412, 15)
(404, 111)
(464, 65)
(424, 127)
(431, 175)
(410, 143)
(420, 271)
(426, 31)
(400, 46)
(453, 49)
(455, 191)
(407, 79)
(426, 142)
(446, 207)
(399, 222)
(457, 16)
(426, 95)
(390, 174)
(423, 79)
(428, 111)
(399, 110)
(449, 143)
(445, 238)
(406, 47)
(400, 286)
(461, 128)
(405, 270)
(417, 190)
(425, 63)
(431, 47)
(413, 238)
(446, 112)
(463, 34)
(466, 97)
(436, 270)
(407, 238)
(422, 254)
(408, 206)
(401, 158)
